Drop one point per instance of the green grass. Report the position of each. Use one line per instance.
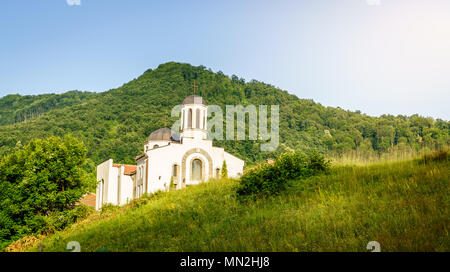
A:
(404, 206)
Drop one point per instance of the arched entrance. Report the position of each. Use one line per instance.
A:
(186, 165)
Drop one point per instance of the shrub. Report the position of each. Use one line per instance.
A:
(438, 156)
(272, 179)
(59, 220)
(318, 163)
(224, 170)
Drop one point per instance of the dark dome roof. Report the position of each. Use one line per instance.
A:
(163, 134)
(194, 99)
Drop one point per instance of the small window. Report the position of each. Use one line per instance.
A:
(155, 146)
(175, 170)
(217, 172)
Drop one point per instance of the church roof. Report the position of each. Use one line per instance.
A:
(129, 169)
(194, 99)
(163, 134)
(139, 156)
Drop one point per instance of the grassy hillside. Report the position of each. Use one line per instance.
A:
(115, 124)
(404, 206)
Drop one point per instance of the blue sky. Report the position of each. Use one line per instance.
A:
(388, 58)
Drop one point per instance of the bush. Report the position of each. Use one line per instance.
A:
(59, 220)
(438, 156)
(272, 179)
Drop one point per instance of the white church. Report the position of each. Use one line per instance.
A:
(168, 161)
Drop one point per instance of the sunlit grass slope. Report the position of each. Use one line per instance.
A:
(404, 206)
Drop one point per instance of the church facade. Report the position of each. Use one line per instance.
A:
(168, 161)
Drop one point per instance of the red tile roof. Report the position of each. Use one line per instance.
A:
(129, 169)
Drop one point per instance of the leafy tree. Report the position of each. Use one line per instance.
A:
(40, 184)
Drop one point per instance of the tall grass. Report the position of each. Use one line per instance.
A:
(404, 206)
(367, 158)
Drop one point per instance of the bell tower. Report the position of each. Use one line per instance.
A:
(194, 118)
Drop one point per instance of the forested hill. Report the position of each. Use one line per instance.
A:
(15, 108)
(116, 123)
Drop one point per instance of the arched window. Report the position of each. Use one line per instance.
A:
(182, 119)
(190, 118)
(217, 172)
(196, 170)
(197, 118)
(155, 146)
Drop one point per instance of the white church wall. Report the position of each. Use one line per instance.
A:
(218, 157)
(141, 176)
(103, 173)
(151, 144)
(106, 190)
(113, 186)
(126, 189)
(235, 165)
(194, 134)
(161, 161)
(189, 143)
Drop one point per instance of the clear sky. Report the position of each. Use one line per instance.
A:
(388, 58)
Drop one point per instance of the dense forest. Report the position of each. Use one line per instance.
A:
(16, 108)
(116, 123)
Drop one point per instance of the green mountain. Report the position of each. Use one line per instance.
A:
(115, 124)
(16, 108)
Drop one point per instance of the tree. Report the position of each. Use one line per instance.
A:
(44, 178)
(224, 169)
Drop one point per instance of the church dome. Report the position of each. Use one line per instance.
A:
(163, 134)
(194, 99)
